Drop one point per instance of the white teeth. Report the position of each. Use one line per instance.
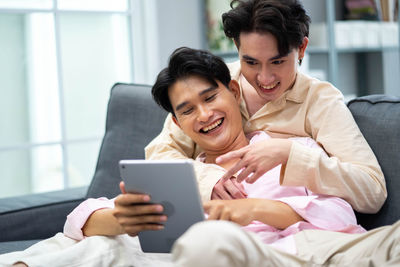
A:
(269, 87)
(212, 126)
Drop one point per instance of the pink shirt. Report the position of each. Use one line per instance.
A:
(318, 211)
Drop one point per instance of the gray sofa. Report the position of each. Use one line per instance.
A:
(133, 120)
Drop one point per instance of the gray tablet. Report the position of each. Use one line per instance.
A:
(173, 185)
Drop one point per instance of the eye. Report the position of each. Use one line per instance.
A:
(277, 62)
(187, 111)
(251, 62)
(210, 98)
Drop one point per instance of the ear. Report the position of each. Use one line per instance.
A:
(235, 89)
(176, 121)
(302, 47)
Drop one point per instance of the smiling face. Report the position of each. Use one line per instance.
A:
(208, 114)
(269, 73)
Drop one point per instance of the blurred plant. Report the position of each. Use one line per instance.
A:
(217, 41)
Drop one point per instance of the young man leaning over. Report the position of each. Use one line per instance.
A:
(271, 37)
(276, 220)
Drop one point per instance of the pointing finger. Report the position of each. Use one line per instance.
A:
(229, 156)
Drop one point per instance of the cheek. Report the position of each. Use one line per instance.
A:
(248, 72)
(287, 72)
(186, 125)
(250, 75)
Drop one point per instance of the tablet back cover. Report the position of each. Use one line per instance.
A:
(173, 185)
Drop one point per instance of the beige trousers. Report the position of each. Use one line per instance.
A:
(218, 243)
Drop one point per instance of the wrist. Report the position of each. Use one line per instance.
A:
(287, 146)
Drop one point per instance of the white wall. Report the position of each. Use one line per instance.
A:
(166, 25)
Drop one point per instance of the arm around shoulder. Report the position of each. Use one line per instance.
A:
(350, 171)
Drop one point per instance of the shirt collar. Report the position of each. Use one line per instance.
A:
(300, 88)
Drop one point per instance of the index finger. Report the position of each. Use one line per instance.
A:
(131, 199)
(229, 156)
(232, 171)
(122, 187)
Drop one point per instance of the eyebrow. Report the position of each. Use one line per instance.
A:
(272, 58)
(205, 91)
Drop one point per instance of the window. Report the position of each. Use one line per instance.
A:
(59, 60)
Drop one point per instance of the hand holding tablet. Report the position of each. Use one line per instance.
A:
(134, 213)
(171, 184)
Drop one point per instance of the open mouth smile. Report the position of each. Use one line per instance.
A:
(269, 87)
(212, 127)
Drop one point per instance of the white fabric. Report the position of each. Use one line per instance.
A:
(96, 251)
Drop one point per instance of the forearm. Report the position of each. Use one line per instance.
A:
(275, 213)
(350, 171)
(171, 143)
(359, 180)
(102, 222)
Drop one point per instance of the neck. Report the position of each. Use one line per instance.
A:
(239, 142)
(250, 96)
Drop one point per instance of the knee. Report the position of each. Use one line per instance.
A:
(205, 242)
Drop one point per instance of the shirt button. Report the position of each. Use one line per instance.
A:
(248, 124)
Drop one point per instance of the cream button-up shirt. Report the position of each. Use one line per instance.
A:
(311, 108)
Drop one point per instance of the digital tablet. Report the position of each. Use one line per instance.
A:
(171, 184)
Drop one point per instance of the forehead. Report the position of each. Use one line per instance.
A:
(187, 88)
(258, 45)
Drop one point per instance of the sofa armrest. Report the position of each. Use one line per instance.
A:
(37, 216)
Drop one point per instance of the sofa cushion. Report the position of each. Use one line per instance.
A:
(378, 117)
(133, 120)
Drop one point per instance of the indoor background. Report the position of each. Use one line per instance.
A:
(60, 58)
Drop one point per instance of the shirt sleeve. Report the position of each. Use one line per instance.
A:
(78, 217)
(350, 171)
(172, 143)
(325, 212)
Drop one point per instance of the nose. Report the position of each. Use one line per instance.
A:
(204, 113)
(265, 76)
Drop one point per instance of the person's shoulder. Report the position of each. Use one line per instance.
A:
(322, 88)
(319, 92)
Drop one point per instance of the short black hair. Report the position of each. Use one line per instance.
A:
(185, 62)
(286, 20)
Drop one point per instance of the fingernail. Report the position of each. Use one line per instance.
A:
(146, 198)
(160, 227)
(163, 218)
(159, 208)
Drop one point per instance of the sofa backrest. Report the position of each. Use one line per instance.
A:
(378, 117)
(133, 120)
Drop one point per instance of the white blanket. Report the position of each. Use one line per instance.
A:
(93, 251)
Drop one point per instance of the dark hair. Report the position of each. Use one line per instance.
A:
(185, 62)
(286, 20)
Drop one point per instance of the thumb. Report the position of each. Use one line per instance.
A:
(207, 206)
